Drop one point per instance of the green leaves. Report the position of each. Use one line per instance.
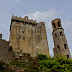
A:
(59, 64)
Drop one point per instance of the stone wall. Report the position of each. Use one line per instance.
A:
(28, 36)
(5, 54)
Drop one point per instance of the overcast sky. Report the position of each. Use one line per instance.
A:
(40, 10)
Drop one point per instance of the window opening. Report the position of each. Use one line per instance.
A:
(61, 34)
(58, 24)
(55, 35)
(23, 31)
(67, 56)
(20, 51)
(23, 38)
(65, 46)
(54, 25)
(58, 47)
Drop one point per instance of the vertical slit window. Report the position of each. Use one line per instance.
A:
(67, 56)
(58, 47)
(23, 38)
(55, 35)
(58, 24)
(54, 25)
(65, 46)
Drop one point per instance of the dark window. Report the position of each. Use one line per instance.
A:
(67, 56)
(10, 48)
(23, 38)
(54, 25)
(36, 53)
(58, 47)
(58, 24)
(55, 35)
(65, 46)
(23, 31)
(30, 23)
(61, 34)
(26, 22)
(20, 51)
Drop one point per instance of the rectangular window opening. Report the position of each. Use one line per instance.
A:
(20, 51)
(61, 34)
(65, 46)
(54, 25)
(23, 31)
(55, 35)
(58, 24)
(23, 38)
(67, 56)
(58, 47)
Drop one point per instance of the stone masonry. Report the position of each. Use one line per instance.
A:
(5, 53)
(28, 36)
(60, 42)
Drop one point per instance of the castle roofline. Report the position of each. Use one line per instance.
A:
(55, 20)
(25, 19)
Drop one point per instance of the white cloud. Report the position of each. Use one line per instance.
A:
(44, 16)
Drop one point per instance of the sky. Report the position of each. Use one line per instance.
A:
(41, 11)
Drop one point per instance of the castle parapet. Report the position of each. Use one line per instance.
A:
(25, 19)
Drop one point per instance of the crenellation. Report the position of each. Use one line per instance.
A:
(25, 19)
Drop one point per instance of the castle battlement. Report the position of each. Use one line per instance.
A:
(25, 19)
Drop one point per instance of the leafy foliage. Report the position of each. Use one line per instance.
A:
(17, 63)
(42, 57)
(3, 67)
(59, 64)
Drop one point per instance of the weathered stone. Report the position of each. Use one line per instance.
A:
(5, 54)
(60, 42)
(28, 36)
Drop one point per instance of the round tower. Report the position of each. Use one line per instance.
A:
(60, 42)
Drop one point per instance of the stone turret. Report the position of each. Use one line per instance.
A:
(60, 42)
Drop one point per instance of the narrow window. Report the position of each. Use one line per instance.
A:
(54, 25)
(20, 51)
(55, 35)
(61, 34)
(67, 56)
(23, 38)
(58, 47)
(65, 46)
(58, 24)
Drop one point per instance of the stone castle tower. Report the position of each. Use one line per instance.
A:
(60, 42)
(28, 36)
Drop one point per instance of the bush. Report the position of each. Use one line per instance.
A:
(42, 57)
(59, 64)
(17, 63)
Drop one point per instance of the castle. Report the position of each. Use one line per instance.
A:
(28, 38)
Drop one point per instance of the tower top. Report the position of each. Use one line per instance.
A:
(56, 24)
